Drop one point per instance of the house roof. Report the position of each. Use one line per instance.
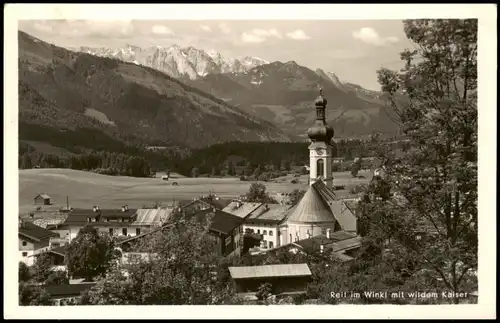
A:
(338, 241)
(243, 210)
(313, 207)
(345, 217)
(222, 222)
(79, 216)
(43, 195)
(35, 232)
(67, 289)
(267, 271)
(60, 250)
(150, 216)
(273, 213)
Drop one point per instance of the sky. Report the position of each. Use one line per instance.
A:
(352, 49)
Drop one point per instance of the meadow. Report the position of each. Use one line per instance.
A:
(85, 189)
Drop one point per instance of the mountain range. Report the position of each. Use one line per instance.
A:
(177, 61)
(73, 99)
(281, 93)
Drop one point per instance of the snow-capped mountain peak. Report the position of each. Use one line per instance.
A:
(178, 61)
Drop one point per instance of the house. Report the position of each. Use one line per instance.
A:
(67, 294)
(241, 209)
(188, 207)
(116, 222)
(285, 279)
(42, 199)
(226, 228)
(57, 256)
(33, 240)
(339, 244)
(264, 221)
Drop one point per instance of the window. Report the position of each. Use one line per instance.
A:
(320, 171)
(107, 219)
(228, 240)
(258, 231)
(111, 231)
(270, 233)
(25, 243)
(270, 244)
(25, 254)
(264, 232)
(124, 231)
(89, 219)
(138, 231)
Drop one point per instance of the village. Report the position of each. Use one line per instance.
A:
(253, 223)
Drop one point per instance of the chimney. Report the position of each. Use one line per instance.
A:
(126, 207)
(328, 233)
(94, 208)
(123, 208)
(308, 235)
(238, 204)
(267, 207)
(97, 208)
(321, 248)
(32, 216)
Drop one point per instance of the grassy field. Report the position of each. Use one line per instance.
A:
(85, 189)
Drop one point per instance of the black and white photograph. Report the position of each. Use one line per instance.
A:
(231, 156)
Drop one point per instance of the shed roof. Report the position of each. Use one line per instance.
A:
(266, 271)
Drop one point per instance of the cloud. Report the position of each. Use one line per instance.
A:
(161, 30)
(298, 34)
(81, 28)
(206, 28)
(370, 36)
(224, 28)
(260, 35)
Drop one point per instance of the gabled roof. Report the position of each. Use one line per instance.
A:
(222, 222)
(43, 195)
(149, 216)
(268, 213)
(312, 208)
(267, 271)
(32, 231)
(243, 210)
(79, 216)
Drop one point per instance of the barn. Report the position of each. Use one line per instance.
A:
(42, 199)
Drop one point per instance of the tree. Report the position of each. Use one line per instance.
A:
(264, 291)
(183, 269)
(434, 101)
(57, 277)
(356, 167)
(30, 295)
(42, 267)
(24, 272)
(195, 172)
(257, 193)
(90, 254)
(257, 171)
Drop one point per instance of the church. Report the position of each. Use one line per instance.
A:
(319, 212)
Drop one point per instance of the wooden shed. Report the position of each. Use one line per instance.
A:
(42, 199)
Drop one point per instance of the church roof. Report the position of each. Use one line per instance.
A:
(313, 207)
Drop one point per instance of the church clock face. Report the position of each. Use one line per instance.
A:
(319, 152)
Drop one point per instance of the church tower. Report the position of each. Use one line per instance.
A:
(320, 149)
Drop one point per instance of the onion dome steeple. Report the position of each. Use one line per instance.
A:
(320, 130)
